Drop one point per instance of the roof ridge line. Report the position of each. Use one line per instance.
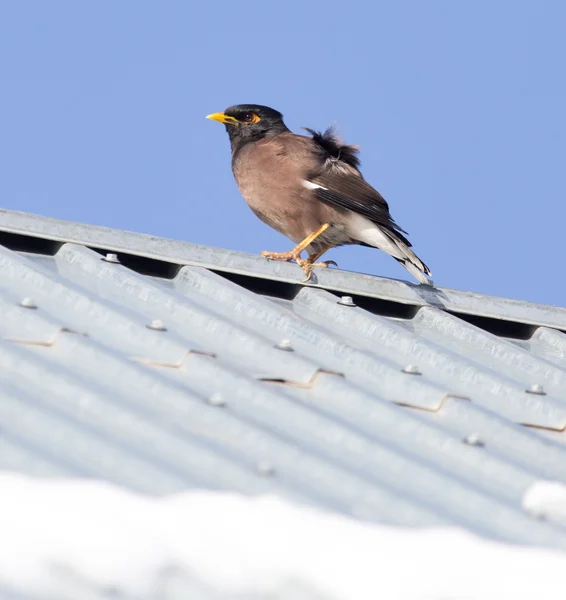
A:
(29, 226)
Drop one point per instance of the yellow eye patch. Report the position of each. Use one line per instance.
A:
(249, 118)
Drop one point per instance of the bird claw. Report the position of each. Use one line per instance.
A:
(307, 267)
(308, 277)
(325, 264)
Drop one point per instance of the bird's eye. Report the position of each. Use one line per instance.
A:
(249, 118)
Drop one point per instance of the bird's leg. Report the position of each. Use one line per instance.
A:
(295, 253)
(310, 262)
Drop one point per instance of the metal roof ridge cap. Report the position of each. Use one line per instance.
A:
(405, 292)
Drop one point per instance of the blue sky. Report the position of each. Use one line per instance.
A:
(459, 109)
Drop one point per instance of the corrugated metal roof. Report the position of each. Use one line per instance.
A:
(184, 366)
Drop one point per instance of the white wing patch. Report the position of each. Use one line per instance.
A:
(312, 186)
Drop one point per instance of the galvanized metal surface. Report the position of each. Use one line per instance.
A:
(165, 383)
(183, 253)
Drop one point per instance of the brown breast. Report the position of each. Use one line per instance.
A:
(269, 174)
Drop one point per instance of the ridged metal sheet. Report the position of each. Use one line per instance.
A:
(183, 253)
(202, 379)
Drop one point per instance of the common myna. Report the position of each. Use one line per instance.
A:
(310, 189)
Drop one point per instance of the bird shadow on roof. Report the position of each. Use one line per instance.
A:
(431, 295)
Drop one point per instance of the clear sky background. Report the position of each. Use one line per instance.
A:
(458, 106)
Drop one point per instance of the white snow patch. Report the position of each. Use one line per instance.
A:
(546, 499)
(240, 545)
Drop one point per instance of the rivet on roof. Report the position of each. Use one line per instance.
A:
(537, 389)
(346, 301)
(265, 468)
(473, 440)
(216, 400)
(412, 370)
(28, 303)
(285, 345)
(157, 325)
(111, 257)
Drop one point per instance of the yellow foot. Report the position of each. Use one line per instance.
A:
(306, 265)
(285, 256)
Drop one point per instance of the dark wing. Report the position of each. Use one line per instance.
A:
(343, 186)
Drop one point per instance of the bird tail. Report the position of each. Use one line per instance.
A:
(408, 258)
(391, 241)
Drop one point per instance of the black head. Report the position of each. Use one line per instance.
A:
(249, 122)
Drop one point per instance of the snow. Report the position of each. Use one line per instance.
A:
(244, 546)
(546, 499)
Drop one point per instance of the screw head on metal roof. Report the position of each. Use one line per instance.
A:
(27, 303)
(157, 325)
(265, 468)
(537, 389)
(111, 257)
(412, 370)
(285, 345)
(216, 400)
(473, 440)
(346, 301)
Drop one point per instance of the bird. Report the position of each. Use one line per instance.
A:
(311, 190)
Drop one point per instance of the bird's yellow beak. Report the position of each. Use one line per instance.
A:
(222, 118)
